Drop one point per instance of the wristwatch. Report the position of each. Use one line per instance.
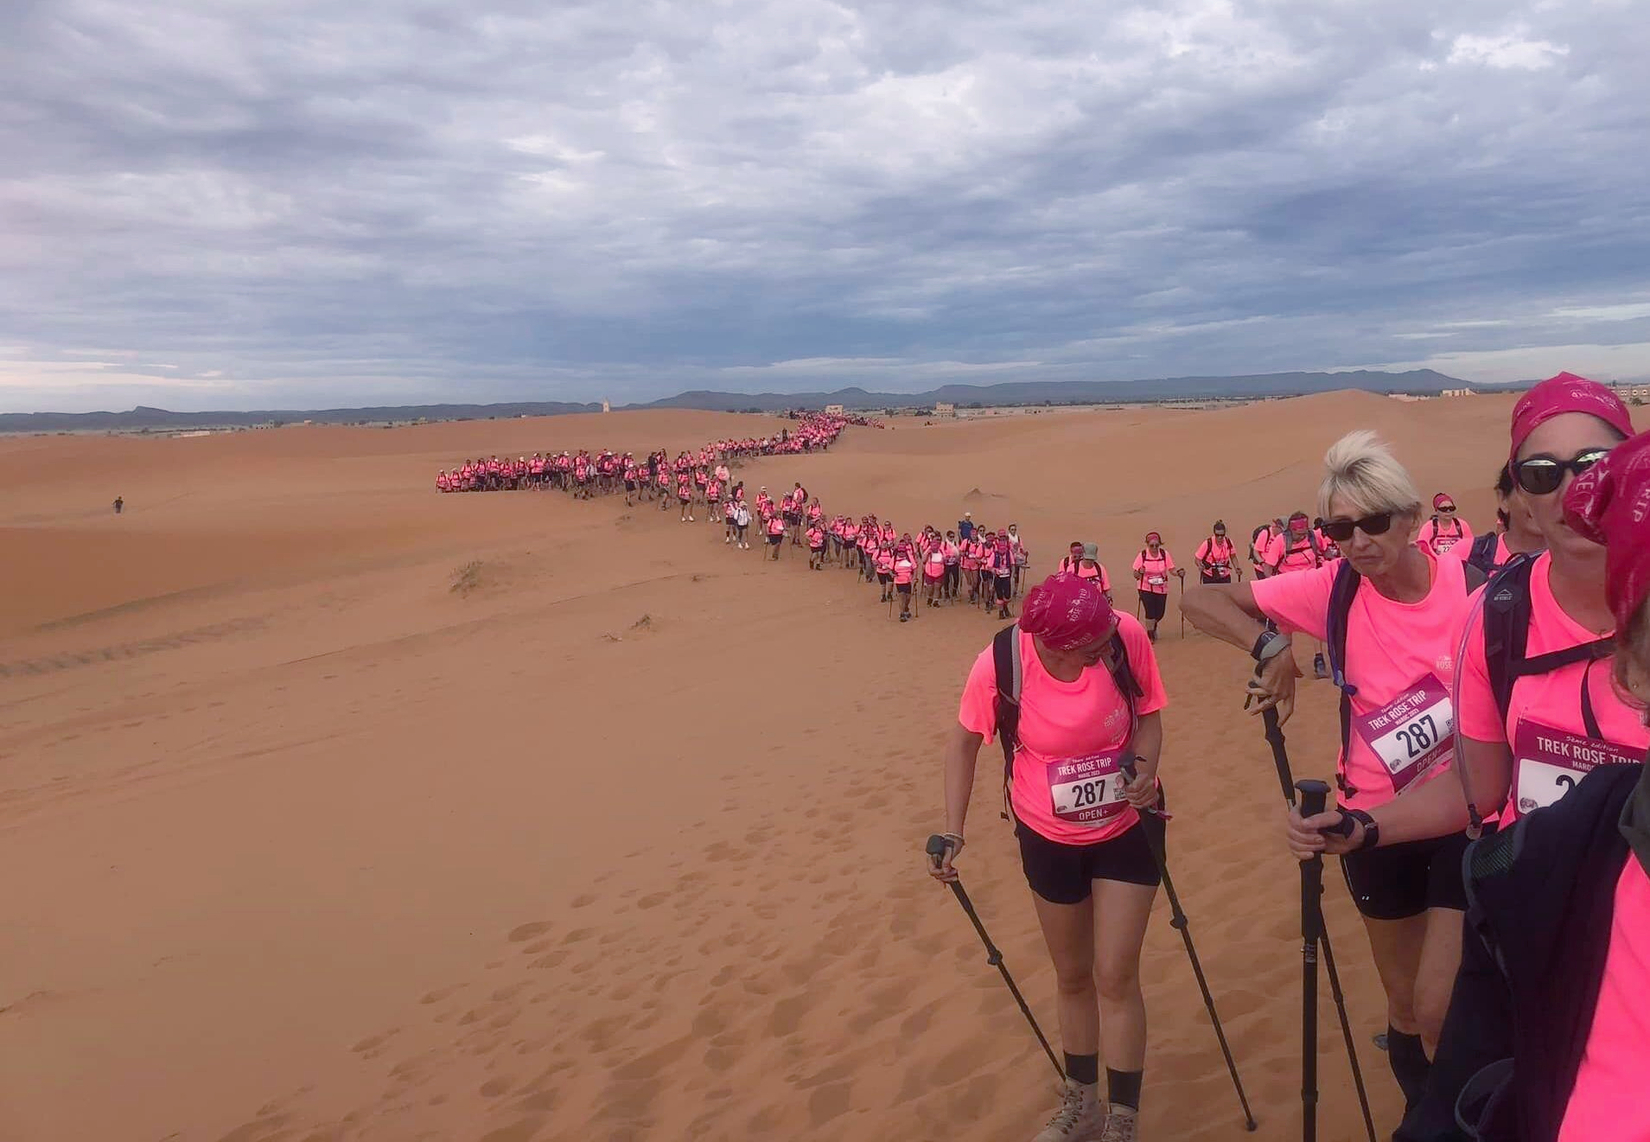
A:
(1270, 644)
(1343, 827)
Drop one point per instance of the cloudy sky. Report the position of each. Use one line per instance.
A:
(279, 203)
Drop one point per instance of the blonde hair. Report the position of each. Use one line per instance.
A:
(1363, 472)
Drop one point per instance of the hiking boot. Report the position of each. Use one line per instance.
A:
(1120, 1126)
(1081, 1117)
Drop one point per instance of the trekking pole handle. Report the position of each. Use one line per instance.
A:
(937, 844)
(1314, 796)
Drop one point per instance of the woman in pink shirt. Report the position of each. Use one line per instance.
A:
(1446, 533)
(776, 531)
(953, 562)
(1548, 1036)
(1090, 702)
(933, 575)
(905, 574)
(884, 560)
(1404, 610)
(816, 547)
(1090, 567)
(1152, 568)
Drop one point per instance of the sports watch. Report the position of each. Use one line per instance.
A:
(1269, 645)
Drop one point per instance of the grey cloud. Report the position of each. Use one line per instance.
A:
(411, 200)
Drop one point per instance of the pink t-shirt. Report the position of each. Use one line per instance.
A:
(1096, 572)
(1220, 554)
(934, 564)
(1154, 570)
(1608, 1100)
(904, 570)
(1400, 656)
(1456, 542)
(1287, 554)
(1544, 727)
(1065, 726)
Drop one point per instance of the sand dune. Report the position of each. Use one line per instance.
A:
(621, 839)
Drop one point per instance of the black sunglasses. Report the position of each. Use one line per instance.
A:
(1541, 475)
(1340, 530)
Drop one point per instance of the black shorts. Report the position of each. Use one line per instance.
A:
(884, 578)
(1153, 604)
(1205, 577)
(1065, 874)
(1395, 882)
(775, 539)
(1005, 587)
(903, 588)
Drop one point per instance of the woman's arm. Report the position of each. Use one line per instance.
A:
(1436, 809)
(962, 752)
(1148, 748)
(1226, 610)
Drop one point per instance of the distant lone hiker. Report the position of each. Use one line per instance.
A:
(120, 505)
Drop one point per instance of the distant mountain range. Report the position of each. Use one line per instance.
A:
(985, 396)
(1083, 392)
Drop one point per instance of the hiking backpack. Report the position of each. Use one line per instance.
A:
(1005, 657)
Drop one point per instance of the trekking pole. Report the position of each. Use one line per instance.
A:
(1280, 758)
(1313, 795)
(1182, 606)
(1178, 921)
(936, 854)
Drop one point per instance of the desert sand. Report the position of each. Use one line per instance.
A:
(621, 840)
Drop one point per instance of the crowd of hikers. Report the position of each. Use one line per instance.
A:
(701, 476)
(1491, 814)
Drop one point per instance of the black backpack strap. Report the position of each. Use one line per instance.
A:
(1507, 628)
(1005, 658)
(1482, 555)
(1341, 594)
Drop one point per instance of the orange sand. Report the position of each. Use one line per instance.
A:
(304, 844)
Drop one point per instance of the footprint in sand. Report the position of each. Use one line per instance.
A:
(528, 931)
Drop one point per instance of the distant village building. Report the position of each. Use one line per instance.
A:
(1460, 392)
(606, 407)
(942, 408)
(833, 410)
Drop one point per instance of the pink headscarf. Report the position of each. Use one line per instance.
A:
(1610, 504)
(1067, 612)
(1566, 393)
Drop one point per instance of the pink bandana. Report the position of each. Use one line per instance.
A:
(1610, 504)
(1566, 393)
(1067, 612)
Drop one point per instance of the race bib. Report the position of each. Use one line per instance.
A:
(1156, 580)
(1442, 543)
(1087, 791)
(1548, 763)
(1413, 732)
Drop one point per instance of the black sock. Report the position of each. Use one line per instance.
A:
(1083, 1068)
(1123, 1088)
(1408, 1059)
